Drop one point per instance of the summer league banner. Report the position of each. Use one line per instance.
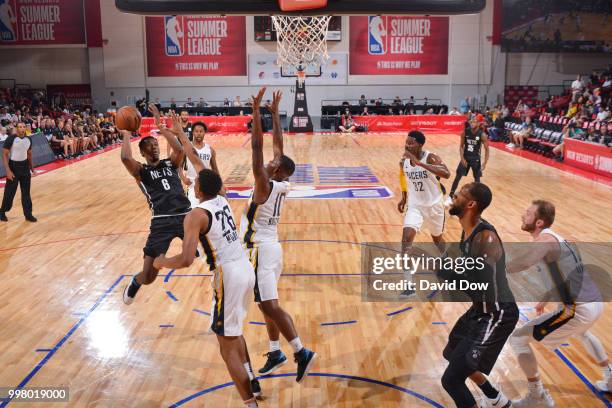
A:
(387, 45)
(196, 46)
(582, 274)
(263, 70)
(41, 22)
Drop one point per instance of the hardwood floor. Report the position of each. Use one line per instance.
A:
(62, 280)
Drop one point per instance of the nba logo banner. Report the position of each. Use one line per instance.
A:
(41, 22)
(195, 46)
(173, 27)
(398, 45)
(377, 35)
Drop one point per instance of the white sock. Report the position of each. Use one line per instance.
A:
(536, 385)
(252, 403)
(296, 344)
(249, 370)
(606, 371)
(274, 345)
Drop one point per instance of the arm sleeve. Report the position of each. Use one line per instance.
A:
(402, 177)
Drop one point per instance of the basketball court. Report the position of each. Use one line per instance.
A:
(64, 324)
(73, 329)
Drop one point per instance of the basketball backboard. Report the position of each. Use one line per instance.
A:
(269, 7)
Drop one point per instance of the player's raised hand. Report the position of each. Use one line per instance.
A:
(276, 98)
(155, 112)
(176, 122)
(257, 99)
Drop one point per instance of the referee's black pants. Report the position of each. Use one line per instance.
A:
(22, 177)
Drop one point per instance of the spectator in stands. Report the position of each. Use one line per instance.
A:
(604, 114)
(202, 103)
(591, 135)
(188, 104)
(379, 102)
(575, 129)
(454, 111)
(425, 104)
(517, 138)
(607, 82)
(365, 111)
(429, 111)
(157, 103)
(604, 136)
(363, 101)
(173, 104)
(464, 106)
(572, 110)
(390, 112)
(5, 116)
(237, 102)
(397, 101)
(108, 130)
(505, 111)
(348, 124)
(409, 107)
(496, 132)
(3, 134)
(577, 88)
(226, 102)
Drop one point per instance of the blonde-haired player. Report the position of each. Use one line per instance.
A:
(566, 280)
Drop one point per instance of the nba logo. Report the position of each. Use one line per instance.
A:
(7, 22)
(173, 27)
(377, 35)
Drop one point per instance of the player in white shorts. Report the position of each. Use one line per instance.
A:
(567, 281)
(421, 189)
(258, 229)
(206, 154)
(212, 223)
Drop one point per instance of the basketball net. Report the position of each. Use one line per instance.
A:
(302, 42)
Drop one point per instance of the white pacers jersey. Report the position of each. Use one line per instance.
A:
(205, 154)
(423, 188)
(258, 223)
(568, 275)
(221, 243)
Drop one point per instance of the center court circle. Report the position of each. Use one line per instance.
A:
(329, 375)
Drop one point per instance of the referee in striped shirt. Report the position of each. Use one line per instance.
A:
(17, 157)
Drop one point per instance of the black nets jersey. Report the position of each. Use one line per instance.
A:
(163, 189)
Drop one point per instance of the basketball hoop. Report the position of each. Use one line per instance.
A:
(302, 42)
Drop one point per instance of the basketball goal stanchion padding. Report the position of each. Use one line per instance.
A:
(302, 43)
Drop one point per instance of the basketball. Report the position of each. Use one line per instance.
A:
(128, 118)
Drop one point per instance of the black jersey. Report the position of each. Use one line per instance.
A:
(188, 130)
(473, 140)
(497, 294)
(163, 189)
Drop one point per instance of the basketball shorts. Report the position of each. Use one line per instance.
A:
(555, 328)
(232, 295)
(161, 233)
(267, 260)
(472, 163)
(430, 218)
(480, 337)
